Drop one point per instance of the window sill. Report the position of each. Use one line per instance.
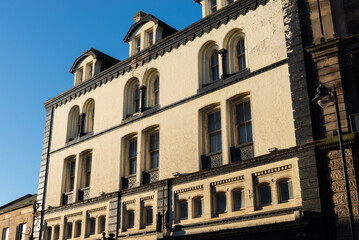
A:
(144, 112)
(80, 138)
(226, 80)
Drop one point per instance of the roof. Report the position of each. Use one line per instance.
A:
(198, 1)
(95, 53)
(24, 201)
(147, 18)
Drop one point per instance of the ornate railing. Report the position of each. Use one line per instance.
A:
(68, 198)
(242, 152)
(150, 176)
(211, 160)
(129, 182)
(84, 194)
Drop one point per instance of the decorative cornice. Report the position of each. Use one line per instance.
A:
(129, 202)
(87, 202)
(273, 170)
(199, 187)
(53, 219)
(225, 181)
(146, 198)
(97, 209)
(205, 25)
(155, 110)
(137, 234)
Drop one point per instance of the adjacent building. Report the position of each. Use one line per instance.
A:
(207, 132)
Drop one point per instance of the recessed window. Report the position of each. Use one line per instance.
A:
(69, 230)
(198, 206)
(78, 229)
(130, 219)
(240, 53)
(73, 124)
(21, 232)
(149, 216)
(48, 233)
(79, 75)
(89, 70)
(150, 39)
(86, 169)
(265, 196)
(70, 174)
(244, 122)
(156, 91)
(102, 224)
(137, 45)
(221, 202)
(214, 131)
(92, 226)
(286, 191)
(182, 210)
(154, 149)
(88, 117)
(213, 6)
(57, 232)
(238, 200)
(214, 67)
(132, 97)
(132, 156)
(5, 233)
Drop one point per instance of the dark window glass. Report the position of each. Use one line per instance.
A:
(214, 131)
(72, 175)
(137, 100)
(138, 45)
(103, 224)
(238, 200)
(88, 170)
(78, 229)
(131, 219)
(241, 58)
(213, 6)
(48, 233)
(156, 86)
(183, 210)
(69, 230)
(154, 149)
(244, 122)
(57, 232)
(150, 39)
(214, 67)
(221, 203)
(132, 156)
(265, 195)
(149, 216)
(229, 1)
(198, 203)
(286, 193)
(92, 226)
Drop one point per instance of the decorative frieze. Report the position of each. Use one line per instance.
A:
(97, 209)
(273, 170)
(229, 180)
(189, 189)
(129, 202)
(147, 198)
(336, 154)
(338, 174)
(73, 215)
(339, 186)
(53, 219)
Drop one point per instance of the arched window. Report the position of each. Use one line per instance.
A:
(78, 228)
(73, 125)
(88, 116)
(148, 216)
(208, 64)
(152, 83)
(235, 44)
(197, 207)
(102, 224)
(57, 232)
(132, 97)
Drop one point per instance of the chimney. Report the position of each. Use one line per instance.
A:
(138, 16)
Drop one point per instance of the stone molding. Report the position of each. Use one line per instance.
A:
(73, 215)
(273, 170)
(147, 198)
(129, 202)
(199, 187)
(97, 209)
(225, 181)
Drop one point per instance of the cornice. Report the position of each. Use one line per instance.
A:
(174, 41)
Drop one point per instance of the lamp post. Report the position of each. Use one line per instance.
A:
(323, 98)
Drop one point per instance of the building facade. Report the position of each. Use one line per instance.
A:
(17, 219)
(203, 133)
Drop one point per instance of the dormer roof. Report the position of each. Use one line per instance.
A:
(108, 60)
(167, 29)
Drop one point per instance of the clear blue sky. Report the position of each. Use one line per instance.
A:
(39, 41)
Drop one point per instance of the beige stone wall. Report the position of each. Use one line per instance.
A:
(14, 218)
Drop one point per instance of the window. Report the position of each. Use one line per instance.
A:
(152, 85)
(88, 116)
(69, 230)
(241, 58)
(5, 233)
(243, 122)
(130, 219)
(148, 216)
(182, 210)
(92, 226)
(73, 126)
(235, 57)
(86, 169)
(221, 202)
(132, 97)
(57, 232)
(156, 91)
(213, 6)
(132, 156)
(89, 70)
(198, 207)
(265, 197)
(78, 229)
(137, 45)
(229, 1)
(238, 200)
(286, 191)
(149, 39)
(79, 75)
(154, 149)
(214, 68)
(214, 131)
(70, 174)
(136, 100)
(21, 231)
(48, 233)
(102, 224)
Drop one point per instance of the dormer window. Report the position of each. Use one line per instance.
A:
(213, 6)
(79, 75)
(89, 70)
(149, 38)
(137, 45)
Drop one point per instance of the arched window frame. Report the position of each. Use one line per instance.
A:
(205, 74)
(132, 97)
(102, 224)
(152, 83)
(73, 125)
(236, 57)
(88, 116)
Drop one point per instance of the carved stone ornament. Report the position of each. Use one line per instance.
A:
(336, 153)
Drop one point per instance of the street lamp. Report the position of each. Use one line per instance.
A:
(323, 98)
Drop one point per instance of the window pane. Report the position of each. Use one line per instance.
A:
(78, 230)
(133, 148)
(131, 219)
(249, 132)
(92, 226)
(149, 216)
(265, 195)
(198, 207)
(57, 233)
(286, 191)
(213, 142)
(218, 120)
(103, 224)
(242, 133)
(240, 113)
(154, 159)
(69, 230)
(219, 141)
(247, 111)
(132, 166)
(211, 122)
(183, 210)
(238, 198)
(221, 204)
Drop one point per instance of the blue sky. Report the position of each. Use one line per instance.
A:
(39, 41)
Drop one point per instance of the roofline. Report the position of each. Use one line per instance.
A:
(15, 201)
(204, 25)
